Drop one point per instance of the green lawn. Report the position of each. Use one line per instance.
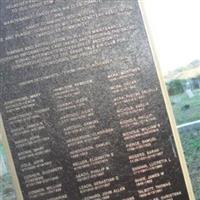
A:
(6, 188)
(191, 112)
(188, 110)
(191, 146)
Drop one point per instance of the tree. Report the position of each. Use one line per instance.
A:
(175, 87)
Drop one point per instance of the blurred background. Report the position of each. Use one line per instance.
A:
(7, 191)
(175, 31)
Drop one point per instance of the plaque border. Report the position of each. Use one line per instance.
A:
(168, 105)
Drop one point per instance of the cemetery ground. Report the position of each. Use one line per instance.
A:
(191, 145)
(186, 109)
(6, 188)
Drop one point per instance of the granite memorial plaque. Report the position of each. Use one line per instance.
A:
(82, 105)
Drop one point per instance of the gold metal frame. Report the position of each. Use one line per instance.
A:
(168, 104)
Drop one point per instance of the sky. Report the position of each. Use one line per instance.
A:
(175, 29)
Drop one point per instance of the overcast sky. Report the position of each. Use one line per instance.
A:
(175, 27)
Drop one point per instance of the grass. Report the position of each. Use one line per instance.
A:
(188, 110)
(191, 146)
(6, 188)
(188, 114)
